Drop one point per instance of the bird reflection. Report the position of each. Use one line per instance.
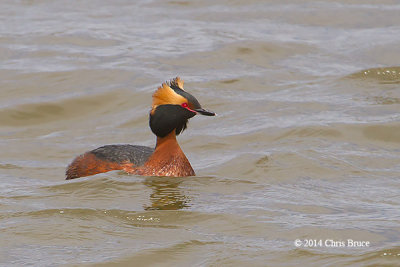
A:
(166, 194)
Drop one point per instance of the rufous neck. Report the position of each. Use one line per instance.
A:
(169, 139)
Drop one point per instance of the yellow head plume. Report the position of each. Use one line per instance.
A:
(166, 95)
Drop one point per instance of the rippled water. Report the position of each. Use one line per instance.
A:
(306, 144)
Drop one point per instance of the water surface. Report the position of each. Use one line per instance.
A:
(305, 146)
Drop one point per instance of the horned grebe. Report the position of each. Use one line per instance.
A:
(171, 109)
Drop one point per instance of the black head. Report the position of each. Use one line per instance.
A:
(172, 108)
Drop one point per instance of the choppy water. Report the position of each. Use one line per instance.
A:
(306, 145)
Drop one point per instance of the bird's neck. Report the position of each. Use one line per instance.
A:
(168, 158)
(167, 141)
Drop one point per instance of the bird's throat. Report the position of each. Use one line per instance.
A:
(168, 159)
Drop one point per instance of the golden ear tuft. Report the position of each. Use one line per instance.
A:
(165, 95)
(178, 82)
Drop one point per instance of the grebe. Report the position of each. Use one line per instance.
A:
(171, 109)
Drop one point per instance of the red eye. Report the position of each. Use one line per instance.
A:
(185, 105)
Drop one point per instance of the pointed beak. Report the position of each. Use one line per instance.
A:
(202, 111)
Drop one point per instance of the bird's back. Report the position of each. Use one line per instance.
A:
(137, 155)
(108, 158)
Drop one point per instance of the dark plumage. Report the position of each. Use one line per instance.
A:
(166, 118)
(137, 155)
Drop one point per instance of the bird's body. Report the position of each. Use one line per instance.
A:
(171, 109)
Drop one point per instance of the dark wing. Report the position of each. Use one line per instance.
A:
(108, 158)
(137, 155)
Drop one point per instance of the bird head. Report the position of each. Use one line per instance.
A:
(172, 107)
